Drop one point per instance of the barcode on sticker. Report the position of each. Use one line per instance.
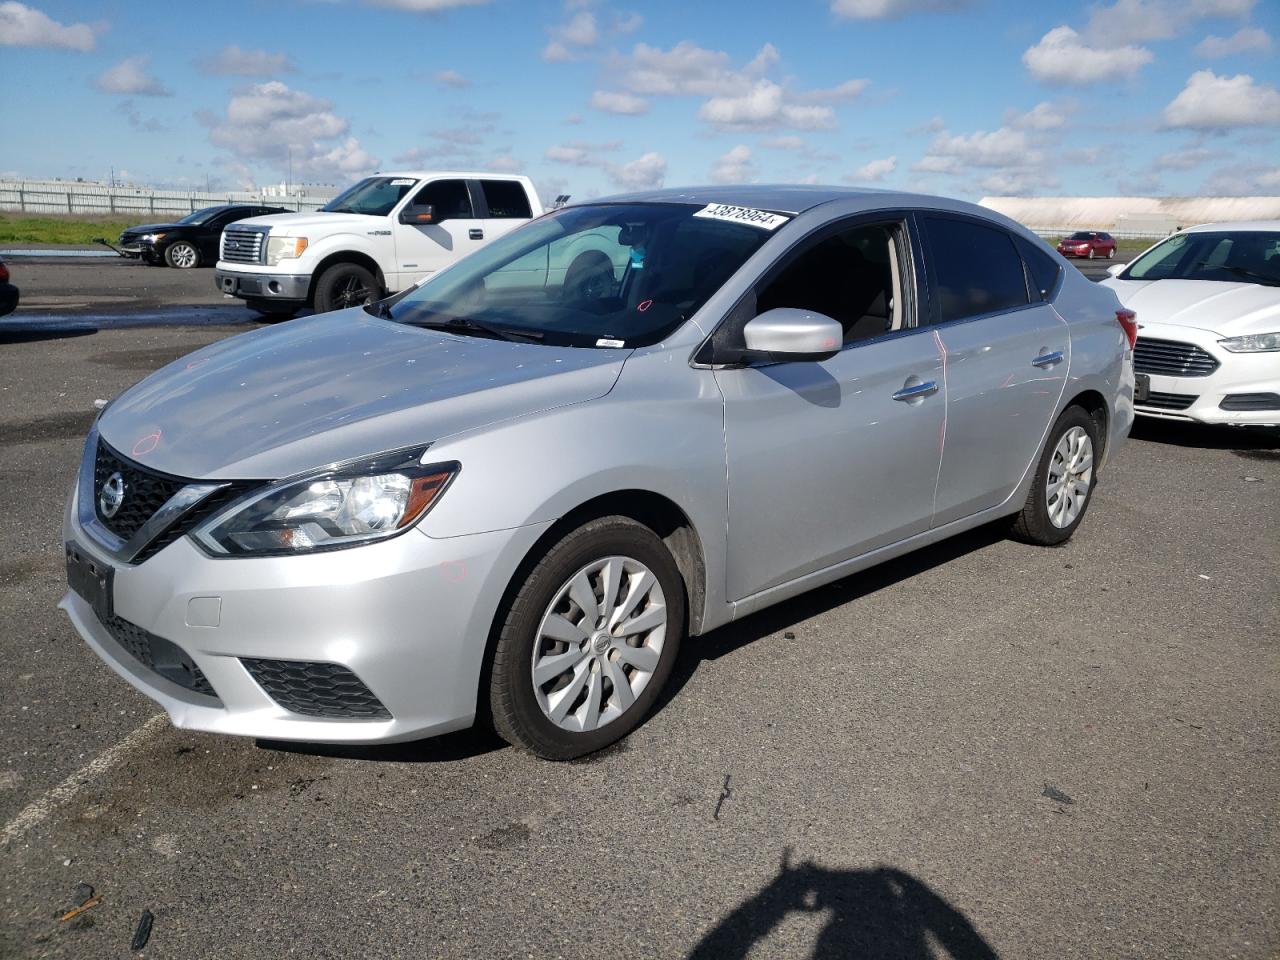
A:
(403, 182)
(606, 342)
(748, 215)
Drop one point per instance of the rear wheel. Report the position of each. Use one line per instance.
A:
(1064, 481)
(346, 285)
(273, 308)
(182, 255)
(588, 640)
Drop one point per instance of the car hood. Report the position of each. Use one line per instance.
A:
(297, 224)
(1231, 309)
(315, 391)
(153, 227)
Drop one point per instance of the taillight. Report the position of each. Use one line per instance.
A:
(1129, 320)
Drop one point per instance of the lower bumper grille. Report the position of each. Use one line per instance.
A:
(315, 689)
(1251, 401)
(1169, 401)
(160, 656)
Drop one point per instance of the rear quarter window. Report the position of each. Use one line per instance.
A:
(1042, 269)
(506, 199)
(976, 269)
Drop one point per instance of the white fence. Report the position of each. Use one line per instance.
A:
(63, 196)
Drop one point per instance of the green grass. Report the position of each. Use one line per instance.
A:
(21, 228)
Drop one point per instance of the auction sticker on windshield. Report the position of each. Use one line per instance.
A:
(748, 215)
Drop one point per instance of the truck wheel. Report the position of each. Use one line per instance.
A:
(273, 308)
(346, 285)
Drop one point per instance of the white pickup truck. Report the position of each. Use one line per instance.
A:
(378, 237)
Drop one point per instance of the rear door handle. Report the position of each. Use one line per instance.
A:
(1047, 359)
(475, 233)
(917, 392)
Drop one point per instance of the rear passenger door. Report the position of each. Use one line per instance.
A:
(502, 204)
(1006, 350)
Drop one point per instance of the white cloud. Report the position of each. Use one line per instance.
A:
(1243, 180)
(579, 153)
(1212, 102)
(627, 104)
(1244, 40)
(452, 79)
(789, 142)
(1004, 161)
(23, 26)
(1138, 21)
(688, 70)
(1184, 159)
(272, 122)
(130, 77)
(844, 92)
(1043, 116)
(426, 6)
(997, 148)
(892, 9)
(504, 163)
(580, 32)
(874, 171)
(1062, 56)
(1017, 182)
(734, 166)
(234, 61)
(644, 173)
(765, 106)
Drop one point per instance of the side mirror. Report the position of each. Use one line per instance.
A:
(788, 334)
(1116, 269)
(418, 215)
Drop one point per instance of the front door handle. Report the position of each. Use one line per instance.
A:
(1047, 359)
(917, 391)
(475, 233)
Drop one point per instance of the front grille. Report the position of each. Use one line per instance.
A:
(145, 491)
(1171, 358)
(1251, 401)
(159, 656)
(192, 518)
(242, 246)
(1168, 401)
(315, 689)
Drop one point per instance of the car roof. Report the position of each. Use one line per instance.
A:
(1236, 226)
(460, 174)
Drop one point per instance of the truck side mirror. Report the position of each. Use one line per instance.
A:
(418, 215)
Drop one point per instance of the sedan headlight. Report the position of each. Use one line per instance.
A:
(350, 504)
(284, 248)
(1252, 343)
(152, 237)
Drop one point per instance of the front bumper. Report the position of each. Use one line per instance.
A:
(9, 297)
(409, 617)
(264, 286)
(1200, 399)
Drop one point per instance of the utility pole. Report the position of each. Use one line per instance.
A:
(288, 183)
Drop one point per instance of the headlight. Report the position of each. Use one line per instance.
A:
(1253, 343)
(152, 237)
(284, 248)
(353, 503)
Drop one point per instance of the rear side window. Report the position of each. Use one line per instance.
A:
(450, 198)
(976, 269)
(1042, 268)
(506, 199)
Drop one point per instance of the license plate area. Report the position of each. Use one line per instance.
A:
(1141, 387)
(92, 580)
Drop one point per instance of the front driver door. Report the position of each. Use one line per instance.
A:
(830, 460)
(422, 250)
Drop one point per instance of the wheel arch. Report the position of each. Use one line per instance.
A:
(344, 256)
(1095, 404)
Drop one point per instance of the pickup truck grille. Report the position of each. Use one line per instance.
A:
(243, 246)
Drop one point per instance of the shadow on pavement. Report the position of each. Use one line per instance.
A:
(1241, 440)
(17, 333)
(451, 746)
(874, 914)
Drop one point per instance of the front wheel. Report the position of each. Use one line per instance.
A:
(588, 640)
(346, 285)
(1091, 254)
(1064, 481)
(182, 255)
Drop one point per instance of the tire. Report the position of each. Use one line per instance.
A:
(542, 609)
(273, 308)
(1047, 520)
(1091, 253)
(346, 285)
(589, 277)
(182, 255)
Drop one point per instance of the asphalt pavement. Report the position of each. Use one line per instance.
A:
(998, 749)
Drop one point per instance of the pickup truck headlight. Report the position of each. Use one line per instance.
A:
(355, 503)
(1252, 343)
(284, 248)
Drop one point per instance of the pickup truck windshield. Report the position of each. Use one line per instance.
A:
(604, 275)
(1244, 257)
(373, 196)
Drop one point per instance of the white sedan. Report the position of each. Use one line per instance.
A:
(1208, 306)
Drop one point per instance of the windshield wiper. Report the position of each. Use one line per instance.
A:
(466, 325)
(1260, 277)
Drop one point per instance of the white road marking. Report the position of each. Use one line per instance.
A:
(39, 810)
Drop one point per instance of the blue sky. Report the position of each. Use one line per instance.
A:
(962, 97)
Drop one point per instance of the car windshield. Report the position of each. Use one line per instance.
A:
(1082, 236)
(1242, 257)
(200, 216)
(373, 196)
(604, 275)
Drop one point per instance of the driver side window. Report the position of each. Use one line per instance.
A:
(451, 199)
(852, 276)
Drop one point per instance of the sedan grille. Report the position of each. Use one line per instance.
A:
(315, 689)
(160, 656)
(1171, 358)
(1168, 401)
(143, 491)
(243, 246)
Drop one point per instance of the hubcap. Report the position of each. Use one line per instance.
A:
(1070, 475)
(184, 255)
(353, 293)
(599, 643)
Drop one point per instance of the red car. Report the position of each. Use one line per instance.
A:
(1088, 243)
(8, 292)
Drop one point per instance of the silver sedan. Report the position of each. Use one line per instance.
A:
(512, 492)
